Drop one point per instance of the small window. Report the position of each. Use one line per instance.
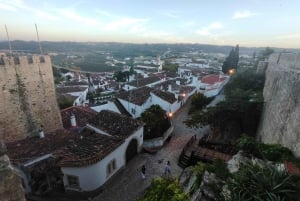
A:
(111, 167)
(133, 111)
(73, 181)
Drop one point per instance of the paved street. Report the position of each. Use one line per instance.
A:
(128, 185)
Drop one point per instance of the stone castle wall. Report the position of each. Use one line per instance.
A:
(27, 97)
(280, 121)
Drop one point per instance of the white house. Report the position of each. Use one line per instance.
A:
(77, 161)
(148, 81)
(211, 85)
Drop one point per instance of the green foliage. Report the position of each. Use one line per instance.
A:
(168, 66)
(264, 54)
(156, 122)
(231, 62)
(271, 152)
(199, 170)
(164, 189)
(153, 116)
(246, 85)
(241, 110)
(264, 182)
(122, 76)
(64, 102)
(198, 102)
(219, 167)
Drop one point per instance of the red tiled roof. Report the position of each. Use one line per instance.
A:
(70, 150)
(212, 79)
(82, 114)
(167, 96)
(30, 148)
(115, 124)
(291, 167)
(144, 81)
(87, 148)
(137, 96)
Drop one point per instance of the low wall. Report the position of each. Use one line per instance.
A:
(157, 142)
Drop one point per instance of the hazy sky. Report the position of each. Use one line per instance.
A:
(224, 22)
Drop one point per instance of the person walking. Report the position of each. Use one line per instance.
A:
(143, 172)
(167, 170)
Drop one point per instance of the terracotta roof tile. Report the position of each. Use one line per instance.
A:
(69, 149)
(87, 148)
(115, 124)
(82, 114)
(165, 95)
(212, 79)
(137, 96)
(144, 81)
(30, 148)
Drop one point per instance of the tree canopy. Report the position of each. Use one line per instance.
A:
(231, 62)
(241, 110)
(168, 66)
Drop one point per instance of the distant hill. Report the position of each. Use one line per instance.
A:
(122, 50)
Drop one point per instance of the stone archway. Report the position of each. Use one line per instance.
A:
(132, 150)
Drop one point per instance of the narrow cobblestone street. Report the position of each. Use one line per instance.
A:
(128, 185)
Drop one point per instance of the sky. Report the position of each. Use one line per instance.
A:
(251, 23)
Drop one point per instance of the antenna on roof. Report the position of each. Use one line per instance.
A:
(10, 51)
(37, 34)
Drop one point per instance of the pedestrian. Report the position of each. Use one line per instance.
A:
(143, 172)
(167, 170)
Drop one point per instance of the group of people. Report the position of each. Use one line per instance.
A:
(167, 170)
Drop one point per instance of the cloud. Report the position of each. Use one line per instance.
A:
(207, 31)
(243, 14)
(171, 14)
(7, 7)
(78, 18)
(289, 36)
(126, 22)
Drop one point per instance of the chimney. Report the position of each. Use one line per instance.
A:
(73, 120)
(41, 132)
(169, 87)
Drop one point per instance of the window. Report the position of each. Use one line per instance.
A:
(73, 181)
(132, 110)
(111, 167)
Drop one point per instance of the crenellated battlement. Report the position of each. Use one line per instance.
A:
(28, 97)
(7, 61)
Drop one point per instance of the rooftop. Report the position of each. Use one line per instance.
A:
(115, 124)
(165, 95)
(70, 150)
(212, 79)
(144, 81)
(82, 114)
(136, 96)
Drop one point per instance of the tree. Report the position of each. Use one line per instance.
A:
(231, 62)
(156, 122)
(198, 102)
(153, 116)
(241, 110)
(264, 54)
(168, 66)
(164, 190)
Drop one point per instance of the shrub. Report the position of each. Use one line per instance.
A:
(266, 182)
(164, 189)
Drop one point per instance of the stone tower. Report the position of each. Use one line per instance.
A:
(27, 97)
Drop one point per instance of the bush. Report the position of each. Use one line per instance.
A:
(255, 182)
(164, 189)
